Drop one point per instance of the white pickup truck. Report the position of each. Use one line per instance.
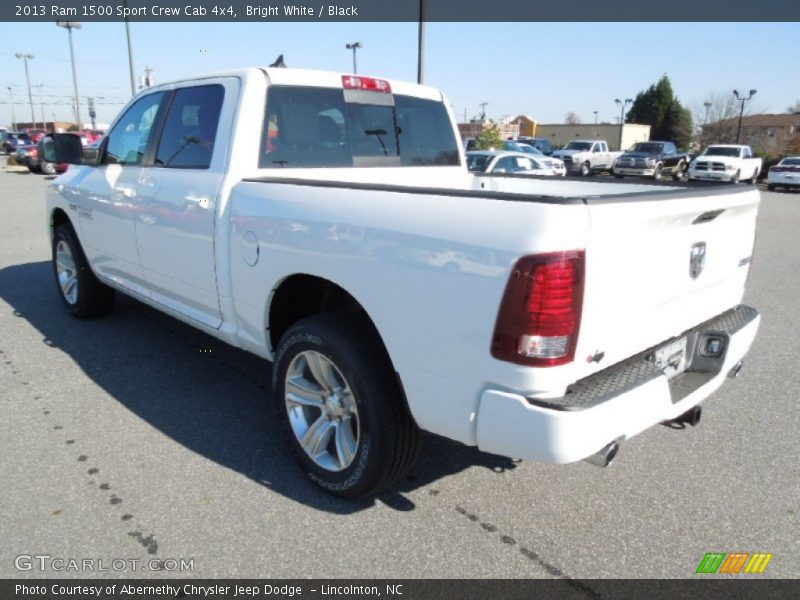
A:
(587, 156)
(301, 215)
(726, 162)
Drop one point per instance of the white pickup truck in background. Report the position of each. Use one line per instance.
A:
(337, 232)
(726, 162)
(587, 156)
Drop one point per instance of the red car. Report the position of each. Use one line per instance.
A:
(29, 155)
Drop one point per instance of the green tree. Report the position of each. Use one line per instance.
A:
(489, 138)
(658, 107)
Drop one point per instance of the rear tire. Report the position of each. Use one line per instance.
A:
(345, 415)
(770, 187)
(82, 293)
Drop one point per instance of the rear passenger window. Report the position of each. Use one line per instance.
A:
(187, 141)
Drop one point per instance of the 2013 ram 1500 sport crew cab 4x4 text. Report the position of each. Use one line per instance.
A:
(294, 213)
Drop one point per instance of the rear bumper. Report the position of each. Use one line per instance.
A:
(783, 180)
(614, 404)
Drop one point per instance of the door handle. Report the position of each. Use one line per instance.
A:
(201, 202)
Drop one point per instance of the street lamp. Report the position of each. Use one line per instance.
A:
(25, 57)
(354, 46)
(595, 117)
(742, 99)
(69, 26)
(13, 115)
(622, 106)
(708, 105)
(130, 50)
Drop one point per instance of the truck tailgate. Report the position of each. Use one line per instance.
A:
(659, 264)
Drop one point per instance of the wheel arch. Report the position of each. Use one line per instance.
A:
(58, 217)
(302, 295)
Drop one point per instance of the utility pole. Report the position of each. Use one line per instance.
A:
(622, 105)
(742, 99)
(69, 26)
(130, 50)
(421, 44)
(41, 102)
(147, 80)
(25, 57)
(354, 46)
(483, 106)
(13, 115)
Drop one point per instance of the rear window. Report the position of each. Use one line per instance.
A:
(316, 127)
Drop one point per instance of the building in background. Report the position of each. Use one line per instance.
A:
(527, 125)
(560, 134)
(473, 128)
(772, 134)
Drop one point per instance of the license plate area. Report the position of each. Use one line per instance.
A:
(671, 358)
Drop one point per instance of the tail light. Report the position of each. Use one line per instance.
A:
(354, 82)
(539, 317)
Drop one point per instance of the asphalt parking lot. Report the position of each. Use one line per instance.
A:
(135, 436)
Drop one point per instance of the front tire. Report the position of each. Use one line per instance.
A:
(342, 407)
(770, 187)
(586, 169)
(48, 168)
(658, 172)
(82, 293)
(677, 175)
(735, 178)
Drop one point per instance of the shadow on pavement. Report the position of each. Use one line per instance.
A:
(211, 398)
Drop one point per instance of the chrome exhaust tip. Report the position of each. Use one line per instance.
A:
(736, 370)
(605, 457)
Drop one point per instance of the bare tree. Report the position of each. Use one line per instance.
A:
(794, 108)
(717, 118)
(572, 118)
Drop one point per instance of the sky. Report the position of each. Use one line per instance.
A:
(543, 70)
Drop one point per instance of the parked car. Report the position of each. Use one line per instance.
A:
(29, 156)
(503, 161)
(785, 174)
(652, 159)
(35, 134)
(549, 162)
(587, 156)
(14, 139)
(541, 144)
(588, 314)
(726, 162)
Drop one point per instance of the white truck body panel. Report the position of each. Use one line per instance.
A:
(213, 246)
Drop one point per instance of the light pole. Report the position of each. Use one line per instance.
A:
(41, 102)
(622, 105)
(130, 51)
(708, 106)
(421, 43)
(595, 118)
(354, 46)
(742, 99)
(69, 26)
(25, 57)
(13, 115)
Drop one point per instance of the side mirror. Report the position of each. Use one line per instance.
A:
(61, 148)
